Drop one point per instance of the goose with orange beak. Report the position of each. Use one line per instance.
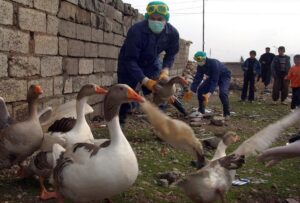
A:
(88, 172)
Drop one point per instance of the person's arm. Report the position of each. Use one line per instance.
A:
(214, 75)
(197, 80)
(273, 66)
(289, 75)
(258, 68)
(132, 54)
(244, 65)
(288, 63)
(171, 51)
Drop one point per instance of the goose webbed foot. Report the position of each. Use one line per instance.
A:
(45, 194)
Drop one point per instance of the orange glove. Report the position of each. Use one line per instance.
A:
(150, 84)
(206, 96)
(164, 75)
(188, 96)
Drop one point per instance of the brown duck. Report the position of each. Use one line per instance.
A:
(19, 140)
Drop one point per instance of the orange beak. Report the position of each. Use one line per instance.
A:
(100, 90)
(38, 89)
(132, 95)
(184, 82)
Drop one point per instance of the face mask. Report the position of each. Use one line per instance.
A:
(201, 63)
(156, 26)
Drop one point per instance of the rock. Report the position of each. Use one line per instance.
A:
(211, 142)
(218, 121)
(196, 124)
(163, 182)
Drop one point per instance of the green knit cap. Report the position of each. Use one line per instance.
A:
(163, 11)
(199, 56)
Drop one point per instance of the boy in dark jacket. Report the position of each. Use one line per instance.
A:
(265, 62)
(280, 67)
(251, 68)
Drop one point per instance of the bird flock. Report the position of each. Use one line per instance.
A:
(61, 147)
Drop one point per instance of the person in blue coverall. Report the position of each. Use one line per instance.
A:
(216, 75)
(139, 60)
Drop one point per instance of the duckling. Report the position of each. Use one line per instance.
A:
(214, 180)
(19, 140)
(87, 172)
(175, 132)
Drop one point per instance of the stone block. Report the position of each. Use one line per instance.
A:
(120, 5)
(86, 66)
(25, 2)
(83, 17)
(68, 88)
(128, 21)
(81, 3)
(13, 90)
(118, 40)
(118, 16)
(58, 85)
(22, 66)
(53, 102)
(52, 24)
(67, 11)
(110, 65)
(46, 84)
(67, 29)
(108, 25)
(109, 11)
(62, 46)
(97, 21)
(33, 20)
(78, 82)
(6, 13)
(108, 51)
(106, 80)
(118, 28)
(90, 49)
(95, 78)
(48, 6)
(83, 32)
(99, 7)
(12, 40)
(3, 66)
(75, 48)
(45, 44)
(97, 35)
(70, 66)
(69, 97)
(115, 78)
(90, 5)
(51, 65)
(73, 1)
(99, 65)
(20, 111)
(108, 38)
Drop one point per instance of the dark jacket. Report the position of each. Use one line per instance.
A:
(139, 55)
(256, 66)
(280, 65)
(216, 72)
(266, 59)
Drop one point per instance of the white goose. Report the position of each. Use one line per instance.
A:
(214, 180)
(88, 172)
(66, 132)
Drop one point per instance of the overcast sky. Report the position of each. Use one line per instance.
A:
(234, 27)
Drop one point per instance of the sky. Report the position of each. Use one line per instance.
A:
(234, 27)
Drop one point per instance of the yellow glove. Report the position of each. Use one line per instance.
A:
(206, 96)
(164, 75)
(188, 96)
(150, 84)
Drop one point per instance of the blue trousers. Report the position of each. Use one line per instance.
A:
(224, 85)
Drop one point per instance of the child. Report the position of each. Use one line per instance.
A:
(280, 67)
(294, 77)
(251, 67)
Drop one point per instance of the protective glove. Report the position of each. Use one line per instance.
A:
(164, 75)
(150, 84)
(206, 96)
(188, 96)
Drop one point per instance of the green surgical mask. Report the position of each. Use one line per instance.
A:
(156, 26)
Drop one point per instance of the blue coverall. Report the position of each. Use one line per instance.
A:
(139, 56)
(218, 75)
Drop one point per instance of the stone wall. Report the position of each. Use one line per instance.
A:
(62, 45)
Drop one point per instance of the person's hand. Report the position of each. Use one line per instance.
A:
(150, 84)
(188, 96)
(206, 96)
(164, 75)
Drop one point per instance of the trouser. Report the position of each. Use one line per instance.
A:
(249, 80)
(280, 85)
(295, 97)
(266, 75)
(223, 84)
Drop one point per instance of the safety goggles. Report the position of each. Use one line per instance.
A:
(199, 58)
(161, 9)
